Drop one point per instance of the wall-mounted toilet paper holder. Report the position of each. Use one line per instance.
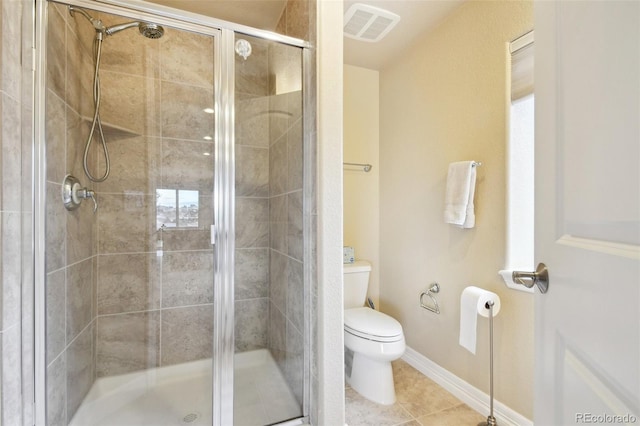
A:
(435, 288)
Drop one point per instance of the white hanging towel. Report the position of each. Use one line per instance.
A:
(461, 188)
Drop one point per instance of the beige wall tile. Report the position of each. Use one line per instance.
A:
(187, 58)
(79, 298)
(182, 109)
(252, 120)
(252, 171)
(79, 77)
(295, 237)
(278, 168)
(10, 269)
(126, 223)
(185, 165)
(128, 283)
(57, 392)
(251, 273)
(278, 279)
(295, 295)
(131, 102)
(80, 232)
(187, 334)
(80, 370)
(135, 165)
(56, 228)
(56, 313)
(127, 342)
(252, 222)
(187, 278)
(56, 61)
(250, 324)
(10, 157)
(56, 137)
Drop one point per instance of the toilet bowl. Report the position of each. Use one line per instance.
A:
(375, 338)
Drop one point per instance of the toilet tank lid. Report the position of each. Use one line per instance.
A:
(357, 266)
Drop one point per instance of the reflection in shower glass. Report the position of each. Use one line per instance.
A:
(177, 208)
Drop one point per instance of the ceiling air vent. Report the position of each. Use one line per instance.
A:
(368, 23)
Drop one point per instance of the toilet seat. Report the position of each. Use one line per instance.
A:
(372, 325)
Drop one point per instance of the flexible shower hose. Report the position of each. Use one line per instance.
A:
(97, 48)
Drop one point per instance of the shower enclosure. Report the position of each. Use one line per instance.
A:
(172, 291)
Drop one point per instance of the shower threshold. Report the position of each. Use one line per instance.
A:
(181, 395)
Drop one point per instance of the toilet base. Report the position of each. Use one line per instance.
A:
(372, 379)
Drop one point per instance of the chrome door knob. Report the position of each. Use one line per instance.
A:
(540, 278)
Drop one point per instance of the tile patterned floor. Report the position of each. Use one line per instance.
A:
(419, 402)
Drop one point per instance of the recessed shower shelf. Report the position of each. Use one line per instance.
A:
(112, 131)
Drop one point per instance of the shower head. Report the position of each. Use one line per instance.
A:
(147, 29)
(151, 30)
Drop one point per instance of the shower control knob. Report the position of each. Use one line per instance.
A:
(73, 193)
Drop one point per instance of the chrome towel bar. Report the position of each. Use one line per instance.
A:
(365, 167)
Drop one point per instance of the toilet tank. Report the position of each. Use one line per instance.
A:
(356, 282)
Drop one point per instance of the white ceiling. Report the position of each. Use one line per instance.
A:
(416, 17)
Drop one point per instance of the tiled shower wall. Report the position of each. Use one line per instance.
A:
(287, 291)
(154, 283)
(16, 266)
(298, 20)
(252, 198)
(70, 235)
(269, 238)
(123, 293)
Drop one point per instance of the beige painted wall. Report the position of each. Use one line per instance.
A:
(361, 190)
(444, 100)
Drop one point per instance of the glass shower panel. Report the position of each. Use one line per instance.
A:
(270, 292)
(130, 286)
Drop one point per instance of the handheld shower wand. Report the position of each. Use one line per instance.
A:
(148, 30)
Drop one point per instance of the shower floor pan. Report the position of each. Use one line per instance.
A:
(181, 395)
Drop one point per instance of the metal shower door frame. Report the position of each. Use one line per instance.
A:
(223, 197)
(223, 33)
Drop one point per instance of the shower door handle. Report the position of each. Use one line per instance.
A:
(213, 235)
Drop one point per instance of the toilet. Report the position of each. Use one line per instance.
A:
(376, 339)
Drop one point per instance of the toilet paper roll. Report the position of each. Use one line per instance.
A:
(473, 303)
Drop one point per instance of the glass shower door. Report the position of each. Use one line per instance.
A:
(129, 287)
(270, 364)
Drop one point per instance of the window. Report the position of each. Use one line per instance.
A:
(520, 162)
(177, 208)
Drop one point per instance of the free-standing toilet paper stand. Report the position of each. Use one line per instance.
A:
(491, 421)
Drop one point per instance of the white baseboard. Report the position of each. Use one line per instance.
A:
(462, 390)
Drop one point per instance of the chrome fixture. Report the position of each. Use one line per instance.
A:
(148, 30)
(73, 193)
(434, 289)
(491, 420)
(365, 167)
(540, 278)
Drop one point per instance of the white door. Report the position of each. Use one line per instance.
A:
(588, 212)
